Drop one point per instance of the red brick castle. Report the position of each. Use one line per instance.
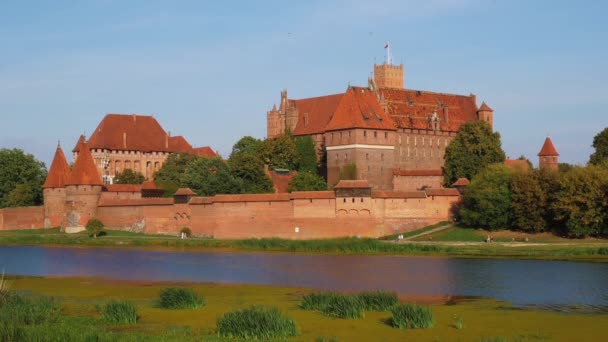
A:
(395, 137)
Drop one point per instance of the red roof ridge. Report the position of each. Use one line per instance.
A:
(433, 92)
(359, 108)
(485, 107)
(84, 171)
(149, 185)
(59, 173)
(184, 192)
(548, 150)
(461, 182)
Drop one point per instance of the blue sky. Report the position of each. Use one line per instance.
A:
(209, 70)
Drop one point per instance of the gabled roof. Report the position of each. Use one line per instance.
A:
(548, 150)
(205, 151)
(149, 185)
(359, 108)
(84, 171)
(485, 107)
(184, 192)
(59, 171)
(314, 113)
(414, 108)
(179, 144)
(461, 182)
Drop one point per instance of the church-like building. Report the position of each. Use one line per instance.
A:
(136, 142)
(395, 137)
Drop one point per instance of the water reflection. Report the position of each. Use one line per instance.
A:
(523, 282)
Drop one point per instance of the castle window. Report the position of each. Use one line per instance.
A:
(407, 139)
(361, 199)
(367, 156)
(375, 134)
(382, 156)
(385, 135)
(423, 141)
(415, 141)
(353, 200)
(399, 140)
(344, 200)
(364, 133)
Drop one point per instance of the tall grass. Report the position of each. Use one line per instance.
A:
(378, 300)
(256, 322)
(180, 298)
(346, 307)
(3, 289)
(317, 300)
(120, 312)
(18, 312)
(411, 316)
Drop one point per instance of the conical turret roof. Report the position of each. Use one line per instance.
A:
(59, 171)
(548, 149)
(485, 107)
(84, 171)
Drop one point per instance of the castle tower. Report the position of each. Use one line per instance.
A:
(83, 189)
(548, 156)
(54, 191)
(360, 133)
(485, 113)
(275, 123)
(389, 76)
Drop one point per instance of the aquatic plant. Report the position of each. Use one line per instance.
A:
(256, 322)
(180, 298)
(378, 300)
(317, 300)
(346, 307)
(411, 316)
(458, 322)
(120, 312)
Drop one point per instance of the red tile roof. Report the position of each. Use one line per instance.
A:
(414, 108)
(184, 192)
(548, 150)
(398, 194)
(485, 107)
(441, 192)
(179, 144)
(401, 172)
(461, 182)
(280, 182)
(517, 164)
(314, 113)
(205, 151)
(359, 108)
(251, 198)
(84, 171)
(350, 184)
(114, 202)
(59, 171)
(123, 188)
(313, 195)
(149, 185)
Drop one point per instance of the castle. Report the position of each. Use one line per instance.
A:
(395, 137)
(136, 142)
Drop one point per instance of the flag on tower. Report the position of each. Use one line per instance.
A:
(386, 46)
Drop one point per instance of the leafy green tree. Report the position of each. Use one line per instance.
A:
(129, 176)
(249, 169)
(528, 202)
(582, 201)
(564, 167)
(548, 180)
(307, 154)
(474, 147)
(307, 181)
(210, 176)
(246, 144)
(16, 168)
(487, 200)
(170, 176)
(94, 227)
(280, 153)
(600, 143)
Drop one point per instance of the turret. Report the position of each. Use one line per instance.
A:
(83, 189)
(485, 113)
(54, 191)
(548, 158)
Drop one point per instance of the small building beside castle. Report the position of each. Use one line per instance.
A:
(395, 137)
(136, 142)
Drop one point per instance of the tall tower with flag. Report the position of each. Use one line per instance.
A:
(388, 75)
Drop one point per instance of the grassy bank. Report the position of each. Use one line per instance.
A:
(77, 300)
(573, 249)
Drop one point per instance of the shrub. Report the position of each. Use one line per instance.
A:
(186, 231)
(411, 316)
(120, 312)
(347, 307)
(317, 300)
(180, 298)
(94, 227)
(256, 322)
(378, 300)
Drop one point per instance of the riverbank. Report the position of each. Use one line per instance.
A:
(571, 250)
(481, 319)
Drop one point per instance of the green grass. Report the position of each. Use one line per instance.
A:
(256, 322)
(119, 312)
(417, 231)
(345, 307)
(411, 316)
(180, 298)
(378, 300)
(457, 234)
(317, 300)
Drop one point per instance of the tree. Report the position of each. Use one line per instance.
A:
(17, 168)
(249, 168)
(280, 153)
(307, 181)
(564, 167)
(94, 227)
(210, 176)
(129, 176)
(487, 200)
(474, 147)
(246, 144)
(581, 203)
(528, 202)
(170, 176)
(600, 143)
(307, 154)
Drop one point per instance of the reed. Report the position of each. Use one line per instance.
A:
(180, 298)
(378, 300)
(256, 322)
(412, 316)
(345, 307)
(120, 312)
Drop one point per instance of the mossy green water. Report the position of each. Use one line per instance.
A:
(485, 319)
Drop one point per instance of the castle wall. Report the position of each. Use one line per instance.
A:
(54, 207)
(416, 182)
(421, 149)
(21, 218)
(81, 204)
